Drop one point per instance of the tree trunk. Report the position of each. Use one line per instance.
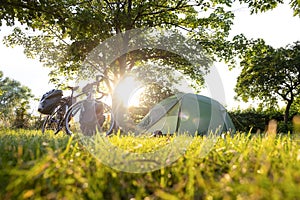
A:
(287, 111)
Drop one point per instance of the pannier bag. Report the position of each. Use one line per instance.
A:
(91, 117)
(49, 101)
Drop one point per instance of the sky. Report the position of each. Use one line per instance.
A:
(277, 27)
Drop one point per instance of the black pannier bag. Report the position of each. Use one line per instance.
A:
(49, 101)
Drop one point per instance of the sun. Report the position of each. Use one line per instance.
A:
(129, 91)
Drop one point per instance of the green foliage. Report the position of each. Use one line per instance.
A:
(270, 74)
(295, 4)
(62, 34)
(295, 108)
(63, 38)
(255, 120)
(73, 28)
(14, 100)
(22, 118)
(35, 166)
(249, 119)
(261, 5)
(154, 94)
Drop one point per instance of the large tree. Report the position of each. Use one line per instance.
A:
(67, 31)
(270, 74)
(63, 33)
(71, 29)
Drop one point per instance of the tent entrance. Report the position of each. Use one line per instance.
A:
(168, 122)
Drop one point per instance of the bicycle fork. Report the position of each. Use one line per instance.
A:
(62, 120)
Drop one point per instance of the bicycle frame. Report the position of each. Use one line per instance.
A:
(56, 120)
(89, 91)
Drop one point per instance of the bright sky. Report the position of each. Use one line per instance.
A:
(278, 28)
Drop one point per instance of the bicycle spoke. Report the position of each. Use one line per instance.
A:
(54, 122)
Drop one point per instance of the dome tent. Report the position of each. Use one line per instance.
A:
(187, 113)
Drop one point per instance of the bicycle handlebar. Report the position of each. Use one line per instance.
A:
(88, 87)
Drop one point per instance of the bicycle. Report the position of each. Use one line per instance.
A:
(54, 120)
(100, 118)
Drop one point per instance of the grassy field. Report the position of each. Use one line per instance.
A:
(35, 166)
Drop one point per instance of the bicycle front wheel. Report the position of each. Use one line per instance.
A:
(54, 121)
(50, 123)
(89, 118)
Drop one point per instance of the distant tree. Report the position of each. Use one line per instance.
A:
(22, 118)
(14, 98)
(270, 74)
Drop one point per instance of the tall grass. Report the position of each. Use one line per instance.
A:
(36, 166)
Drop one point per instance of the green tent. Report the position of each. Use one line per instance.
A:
(187, 113)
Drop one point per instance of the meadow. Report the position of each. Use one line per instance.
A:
(243, 166)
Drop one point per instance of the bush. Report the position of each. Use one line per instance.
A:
(249, 119)
(257, 120)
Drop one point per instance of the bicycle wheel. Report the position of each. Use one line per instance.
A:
(105, 116)
(54, 121)
(80, 119)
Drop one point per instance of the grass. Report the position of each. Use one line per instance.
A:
(36, 166)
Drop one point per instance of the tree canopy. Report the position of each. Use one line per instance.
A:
(63, 33)
(270, 74)
(68, 30)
